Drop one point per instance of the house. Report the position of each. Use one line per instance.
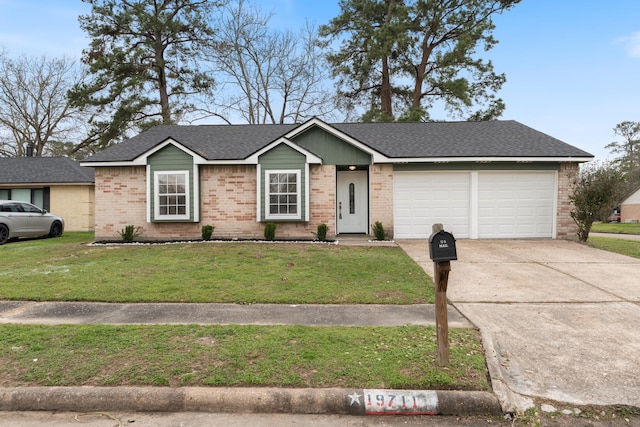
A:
(630, 208)
(493, 179)
(57, 184)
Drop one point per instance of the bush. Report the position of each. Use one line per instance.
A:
(129, 233)
(322, 232)
(378, 231)
(270, 231)
(596, 190)
(207, 231)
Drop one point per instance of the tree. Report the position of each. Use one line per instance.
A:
(268, 76)
(597, 189)
(145, 63)
(628, 150)
(34, 111)
(408, 55)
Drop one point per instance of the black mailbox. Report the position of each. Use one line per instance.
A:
(442, 247)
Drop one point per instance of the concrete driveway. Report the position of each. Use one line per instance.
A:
(559, 320)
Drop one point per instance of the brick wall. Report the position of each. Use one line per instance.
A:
(381, 195)
(566, 228)
(120, 199)
(630, 213)
(227, 198)
(322, 199)
(229, 202)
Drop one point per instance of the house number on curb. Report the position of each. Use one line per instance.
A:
(397, 401)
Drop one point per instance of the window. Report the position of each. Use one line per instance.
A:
(37, 196)
(283, 195)
(172, 195)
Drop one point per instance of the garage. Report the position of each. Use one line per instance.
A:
(475, 204)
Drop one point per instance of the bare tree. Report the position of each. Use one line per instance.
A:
(267, 76)
(33, 105)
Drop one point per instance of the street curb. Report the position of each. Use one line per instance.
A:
(249, 400)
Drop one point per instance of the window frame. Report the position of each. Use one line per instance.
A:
(156, 196)
(267, 195)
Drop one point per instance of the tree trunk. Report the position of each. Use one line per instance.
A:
(416, 99)
(162, 81)
(385, 89)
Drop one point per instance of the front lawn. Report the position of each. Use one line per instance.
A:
(67, 269)
(621, 246)
(616, 227)
(269, 356)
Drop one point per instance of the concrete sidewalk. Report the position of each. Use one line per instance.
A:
(28, 312)
(559, 319)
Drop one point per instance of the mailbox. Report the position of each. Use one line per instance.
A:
(442, 247)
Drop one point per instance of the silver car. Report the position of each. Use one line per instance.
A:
(21, 219)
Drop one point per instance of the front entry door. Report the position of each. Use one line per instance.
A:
(352, 207)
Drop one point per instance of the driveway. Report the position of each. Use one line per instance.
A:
(559, 320)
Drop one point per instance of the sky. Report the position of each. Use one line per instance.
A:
(572, 66)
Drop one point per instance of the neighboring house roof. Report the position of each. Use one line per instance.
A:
(397, 140)
(632, 198)
(43, 170)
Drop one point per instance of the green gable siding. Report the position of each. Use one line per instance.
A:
(171, 158)
(278, 158)
(282, 157)
(331, 149)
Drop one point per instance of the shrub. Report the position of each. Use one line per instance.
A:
(378, 231)
(129, 233)
(596, 190)
(322, 232)
(207, 231)
(270, 231)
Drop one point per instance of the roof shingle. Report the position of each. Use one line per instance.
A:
(43, 170)
(394, 140)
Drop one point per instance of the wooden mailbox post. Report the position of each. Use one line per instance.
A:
(442, 250)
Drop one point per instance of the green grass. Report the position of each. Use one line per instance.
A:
(67, 269)
(621, 246)
(616, 227)
(191, 355)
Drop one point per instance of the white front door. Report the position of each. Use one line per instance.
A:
(352, 207)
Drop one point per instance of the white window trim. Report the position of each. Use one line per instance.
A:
(267, 193)
(156, 197)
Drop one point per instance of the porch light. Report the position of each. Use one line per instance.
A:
(352, 167)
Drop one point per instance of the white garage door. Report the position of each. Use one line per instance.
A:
(516, 204)
(422, 199)
(475, 204)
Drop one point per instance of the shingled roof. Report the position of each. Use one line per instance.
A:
(393, 140)
(43, 170)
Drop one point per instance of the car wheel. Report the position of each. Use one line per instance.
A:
(4, 234)
(56, 230)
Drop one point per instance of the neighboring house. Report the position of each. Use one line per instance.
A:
(57, 184)
(630, 208)
(493, 179)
